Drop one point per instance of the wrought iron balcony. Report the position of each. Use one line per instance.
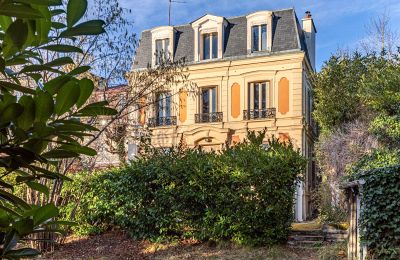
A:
(162, 121)
(209, 117)
(256, 114)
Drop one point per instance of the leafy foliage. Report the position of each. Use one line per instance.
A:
(244, 194)
(380, 221)
(41, 119)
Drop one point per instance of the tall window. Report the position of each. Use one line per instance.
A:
(208, 102)
(210, 46)
(259, 37)
(162, 50)
(257, 96)
(163, 105)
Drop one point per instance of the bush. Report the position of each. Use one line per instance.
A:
(380, 204)
(244, 194)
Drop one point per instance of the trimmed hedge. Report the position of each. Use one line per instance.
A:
(380, 211)
(244, 194)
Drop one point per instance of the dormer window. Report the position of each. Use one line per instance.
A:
(162, 50)
(209, 32)
(210, 46)
(162, 44)
(259, 31)
(259, 37)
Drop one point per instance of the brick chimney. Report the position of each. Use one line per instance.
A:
(309, 33)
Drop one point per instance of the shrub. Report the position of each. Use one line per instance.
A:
(380, 204)
(244, 194)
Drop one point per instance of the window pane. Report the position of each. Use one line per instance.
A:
(166, 49)
(256, 96)
(205, 107)
(214, 100)
(214, 46)
(255, 38)
(167, 110)
(160, 107)
(206, 46)
(264, 37)
(263, 96)
(159, 48)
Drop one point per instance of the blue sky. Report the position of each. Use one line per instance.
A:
(340, 23)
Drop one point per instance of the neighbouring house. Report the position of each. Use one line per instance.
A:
(251, 72)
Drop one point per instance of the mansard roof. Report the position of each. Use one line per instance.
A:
(287, 35)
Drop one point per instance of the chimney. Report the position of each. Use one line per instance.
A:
(309, 33)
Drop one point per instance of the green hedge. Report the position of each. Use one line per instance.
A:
(244, 194)
(380, 214)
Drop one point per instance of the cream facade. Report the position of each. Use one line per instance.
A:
(253, 91)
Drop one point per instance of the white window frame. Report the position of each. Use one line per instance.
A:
(211, 45)
(258, 19)
(210, 101)
(164, 50)
(250, 90)
(162, 33)
(259, 38)
(204, 25)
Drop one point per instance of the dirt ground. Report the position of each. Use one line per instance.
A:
(117, 245)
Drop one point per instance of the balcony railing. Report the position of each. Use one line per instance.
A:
(162, 121)
(209, 117)
(257, 114)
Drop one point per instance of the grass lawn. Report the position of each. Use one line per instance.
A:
(117, 245)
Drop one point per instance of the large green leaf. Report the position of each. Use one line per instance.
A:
(79, 70)
(60, 62)
(23, 226)
(41, 2)
(79, 149)
(44, 106)
(11, 113)
(43, 26)
(62, 48)
(60, 154)
(5, 22)
(66, 97)
(96, 109)
(18, 32)
(86, 87)
(57, 25)
(93, 27)
(38, 187)
(14, 199)
(19, 11)
(55, 84)
(12, 86)
(75, 10)
(45, 213)
(25, 120)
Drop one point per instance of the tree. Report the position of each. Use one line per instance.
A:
(42, 119)
(381, 38)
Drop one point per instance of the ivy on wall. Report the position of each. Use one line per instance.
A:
(380, 211)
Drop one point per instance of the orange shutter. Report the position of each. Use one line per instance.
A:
(283, 96)
(235, 100)
(183, 105)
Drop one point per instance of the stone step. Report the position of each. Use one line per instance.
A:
(306, 237)
(305, 243)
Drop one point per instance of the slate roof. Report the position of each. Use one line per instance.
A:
(286, 35)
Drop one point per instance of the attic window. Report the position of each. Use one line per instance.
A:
(162, 50)
(259, 37)
(259, 31)
(210, 46)
(162, 44)
(208, 37)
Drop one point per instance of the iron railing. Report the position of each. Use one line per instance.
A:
(209, 117)
(256, 114)
(162, 121)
